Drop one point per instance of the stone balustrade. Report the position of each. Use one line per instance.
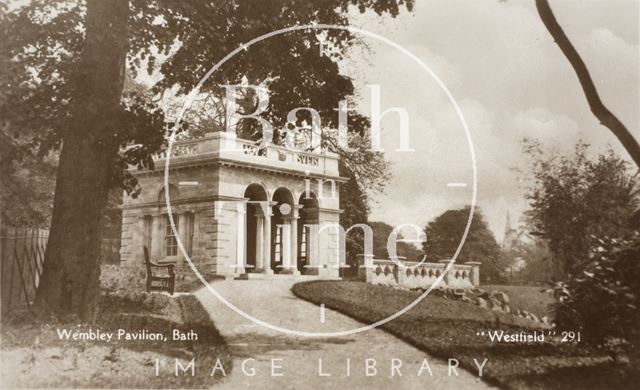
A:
(226, 146)
(409, 274)
(180, 148)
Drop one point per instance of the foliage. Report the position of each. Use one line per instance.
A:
(586, 209)
(381, 233)
(43, 42)
(43, 85)
(530, 259)
(28, 182)
(446, 328)
(537, 267)
(354, 203)
(181, 41)
(602, 300)
(575, 200)
(64, 67)
(443, 238)
(367, 167)
(126, 280)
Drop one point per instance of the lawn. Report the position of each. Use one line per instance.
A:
(35, 356)
(536, 300)
(449, 328)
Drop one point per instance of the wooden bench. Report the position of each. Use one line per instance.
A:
(156, 281)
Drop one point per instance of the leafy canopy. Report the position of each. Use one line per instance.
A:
(42, 42)
(576, 200)
(443, 238)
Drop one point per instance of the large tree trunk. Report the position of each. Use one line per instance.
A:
(69, 283)
(601, 112)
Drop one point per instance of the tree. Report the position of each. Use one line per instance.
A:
(354, 203)
(72, 270)
(601, 112)
(381, 233)
(26, 194)
(602, 300)
(575, 200)
(578, 286)
(64, 66)
(537, 264)
(443, 238)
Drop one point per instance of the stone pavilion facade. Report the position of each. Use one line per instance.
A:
(240, 210)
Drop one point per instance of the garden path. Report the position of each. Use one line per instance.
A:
(343, 358)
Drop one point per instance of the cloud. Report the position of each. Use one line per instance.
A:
(511, 82)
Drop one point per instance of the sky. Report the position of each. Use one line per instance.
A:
(510, 81)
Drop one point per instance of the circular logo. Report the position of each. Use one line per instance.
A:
(193, 94)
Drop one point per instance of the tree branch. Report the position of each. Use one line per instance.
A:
(606, 117)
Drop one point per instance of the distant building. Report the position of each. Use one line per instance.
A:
(511, 236)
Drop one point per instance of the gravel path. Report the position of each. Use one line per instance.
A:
(297, 359)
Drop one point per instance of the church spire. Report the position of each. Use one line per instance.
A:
(507, 226)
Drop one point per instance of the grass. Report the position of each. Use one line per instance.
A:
(536, 300)
(33, 355)
(449, 329)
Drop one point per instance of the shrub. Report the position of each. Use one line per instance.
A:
(576, 199)
(127, 280)
(602, 300)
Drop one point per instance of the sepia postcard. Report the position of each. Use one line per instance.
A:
(330, 194)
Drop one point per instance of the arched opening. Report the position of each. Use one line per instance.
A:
(254, 226)
(307, 234)
(281, 232)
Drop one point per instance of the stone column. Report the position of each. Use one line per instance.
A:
(286, 246)
(259, 242)
(289, 239)
(267, 242)
(313, 233)
(329, 243)
(475, 272)
(157, 237)
(294, 244)
(241, 219)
